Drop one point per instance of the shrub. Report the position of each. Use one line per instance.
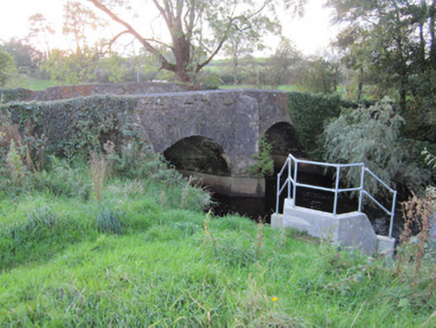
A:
(310, 113)
(265, 163)
(61, 179)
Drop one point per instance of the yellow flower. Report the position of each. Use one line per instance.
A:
(274, 299)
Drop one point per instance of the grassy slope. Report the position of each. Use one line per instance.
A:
(177, 267)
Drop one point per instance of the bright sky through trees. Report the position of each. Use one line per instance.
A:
(310, 33)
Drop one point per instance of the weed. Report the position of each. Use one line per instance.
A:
(15, 166)
(62, 180)
(99, 166)
(416, 213)
(185, 193)
(259, 237)
(162, 198)
(108, 222)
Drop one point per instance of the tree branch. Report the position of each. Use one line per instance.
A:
(165, 64)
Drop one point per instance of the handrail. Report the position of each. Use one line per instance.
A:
(291, 181)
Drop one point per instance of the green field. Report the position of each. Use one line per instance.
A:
(147, 255)
(36, 85)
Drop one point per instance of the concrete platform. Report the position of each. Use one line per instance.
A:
(350, 229)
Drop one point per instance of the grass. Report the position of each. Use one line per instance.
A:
(145, 254)
(37, 84)
(175, 267)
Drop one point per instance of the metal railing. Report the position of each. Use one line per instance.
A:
(291, 182)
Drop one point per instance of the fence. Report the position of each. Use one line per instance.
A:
(291, 182)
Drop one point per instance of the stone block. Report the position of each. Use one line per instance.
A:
(276, 220)
(385, 245)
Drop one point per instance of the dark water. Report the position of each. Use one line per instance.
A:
(261, 208)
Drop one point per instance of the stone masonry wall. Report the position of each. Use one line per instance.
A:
(235, 119)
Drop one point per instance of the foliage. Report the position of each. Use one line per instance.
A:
(429, 158)
(238, 45)
(26, 58)
(318, 75)
(421, 112)
(15, 167)
(372, 136)
(77, 126)
(391, 43)
(7, 68)
(20, 153)
(310, 113)
(207, 80)
(72, 68)
(264, 165)
(62, 180)
(279, 68)
(8, 95)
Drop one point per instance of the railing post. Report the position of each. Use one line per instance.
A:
(338, 173)
(278, 193)
(294, 192)
(391, 225)
(289, 175)
(362, 181)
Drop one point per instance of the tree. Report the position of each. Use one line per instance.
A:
(394, 39)
(7, 68)
(77, 19)
(279, 68)
(72, 68)
(25, 56)
(318, 75)
(40, 30)
(198, 29)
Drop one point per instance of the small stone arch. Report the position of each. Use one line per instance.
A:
(199, 154)
(282, 138)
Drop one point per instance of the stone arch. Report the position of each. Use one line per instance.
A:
(282, 138)
(199, 154)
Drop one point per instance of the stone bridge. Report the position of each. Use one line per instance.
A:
(216, 133)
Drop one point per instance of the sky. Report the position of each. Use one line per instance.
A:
(311, 33)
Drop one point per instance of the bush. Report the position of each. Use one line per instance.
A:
(310, 113)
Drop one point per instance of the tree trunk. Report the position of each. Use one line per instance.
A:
(432, 57)
(235, 70)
